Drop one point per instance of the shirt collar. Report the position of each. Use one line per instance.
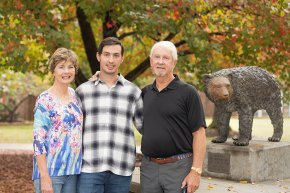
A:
(120, 80)
(172, 85)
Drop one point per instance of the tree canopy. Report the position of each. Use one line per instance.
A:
(209, 34)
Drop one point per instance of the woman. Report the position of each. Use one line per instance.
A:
(57, 129)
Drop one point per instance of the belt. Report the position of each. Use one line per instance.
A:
(170, 159)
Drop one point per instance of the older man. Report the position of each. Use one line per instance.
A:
(174, 141)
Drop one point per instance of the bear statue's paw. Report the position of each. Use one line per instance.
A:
(219, 140)
(235, 137)
(274, 139)
(240, 142)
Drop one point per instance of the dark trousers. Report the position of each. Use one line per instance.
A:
(163, 178)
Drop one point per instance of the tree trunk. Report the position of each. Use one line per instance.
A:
(12, 112)
(10, 116)
(110, 27)
(90, 43)
(80, 78)
(88, 40)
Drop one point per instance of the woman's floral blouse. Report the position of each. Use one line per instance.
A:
(57, 133)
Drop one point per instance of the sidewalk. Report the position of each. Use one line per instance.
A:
(208, 185)
(16, 146)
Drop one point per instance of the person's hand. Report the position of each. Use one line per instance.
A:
(46, 184)
(138, 161)
(95, 76)
(192, 181)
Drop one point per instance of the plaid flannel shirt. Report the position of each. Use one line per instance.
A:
(109, 114)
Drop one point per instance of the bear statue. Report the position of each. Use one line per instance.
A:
(245, 90)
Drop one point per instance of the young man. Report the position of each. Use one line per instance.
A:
(111, 104)
(173, 141)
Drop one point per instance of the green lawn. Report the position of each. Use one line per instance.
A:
(22, 133)
(16, 133)
(262, 128)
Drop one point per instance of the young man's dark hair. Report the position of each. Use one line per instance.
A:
(110, 41)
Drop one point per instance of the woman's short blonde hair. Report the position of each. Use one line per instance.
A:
(63, 54)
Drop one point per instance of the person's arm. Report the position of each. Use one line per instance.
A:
(46, 184)
(138, 114)
(40, 127)
(192, 180)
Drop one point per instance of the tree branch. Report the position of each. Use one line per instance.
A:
(185, 52)
(6, 107)
(122, 36)
(180, 43)
(138, 70)
(170, 36)
(69, 19)
(218, 33)
(20, 102)
(151, 37)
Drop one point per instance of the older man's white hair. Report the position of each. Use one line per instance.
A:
(166, 45)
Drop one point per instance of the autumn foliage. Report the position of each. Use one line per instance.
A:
(209, 34)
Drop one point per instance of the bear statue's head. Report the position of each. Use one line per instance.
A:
(218, 88)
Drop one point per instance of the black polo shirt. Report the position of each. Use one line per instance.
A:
(170, 118)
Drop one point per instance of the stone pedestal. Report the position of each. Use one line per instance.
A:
(260, 161)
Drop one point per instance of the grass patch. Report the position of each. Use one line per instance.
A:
(262, 127)
(16, 133)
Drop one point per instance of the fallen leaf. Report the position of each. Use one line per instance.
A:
(209, 187)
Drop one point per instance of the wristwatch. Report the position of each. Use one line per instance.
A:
(197, 170)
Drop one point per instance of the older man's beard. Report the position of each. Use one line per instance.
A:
(158, 73)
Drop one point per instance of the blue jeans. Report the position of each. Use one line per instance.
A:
(103, 182)
(60, 184)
